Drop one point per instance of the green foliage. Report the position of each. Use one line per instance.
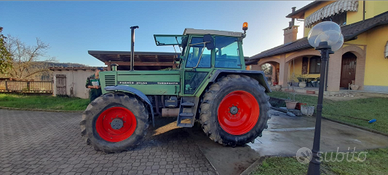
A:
(375, 163)
(280, 165)
(267, 69)
(43, 102)
(5, 55)
(302, 77)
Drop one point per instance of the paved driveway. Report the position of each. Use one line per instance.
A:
(33, 142)
(50, 143)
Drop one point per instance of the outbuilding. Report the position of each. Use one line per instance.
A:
(70, 81)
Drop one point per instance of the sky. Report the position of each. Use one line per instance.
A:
(71, 28)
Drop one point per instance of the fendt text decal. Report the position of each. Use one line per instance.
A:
(145, 82)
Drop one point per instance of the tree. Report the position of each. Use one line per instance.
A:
(5, 56)
(25, 59)
(267, 68)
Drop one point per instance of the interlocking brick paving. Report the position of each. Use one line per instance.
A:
(35, 142)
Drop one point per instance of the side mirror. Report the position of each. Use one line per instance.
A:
(208, 39)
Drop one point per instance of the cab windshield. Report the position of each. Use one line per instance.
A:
(170, 40)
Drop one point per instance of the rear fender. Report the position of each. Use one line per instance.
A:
(134, 91)
(257, 75)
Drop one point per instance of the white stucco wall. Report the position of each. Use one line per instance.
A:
(75, 79)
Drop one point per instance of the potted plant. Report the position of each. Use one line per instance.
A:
(302, 80)
(293, 81)
(290, 102)
(315, 83)
(278, 87)
(353, 86)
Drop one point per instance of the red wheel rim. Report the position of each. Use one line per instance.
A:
(238, 112)
(116, 124)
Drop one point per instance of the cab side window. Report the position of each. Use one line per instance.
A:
(227, 52)
(195, 53)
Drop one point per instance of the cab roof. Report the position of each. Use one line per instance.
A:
(190, 31)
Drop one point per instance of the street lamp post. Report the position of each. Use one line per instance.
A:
(326, 37)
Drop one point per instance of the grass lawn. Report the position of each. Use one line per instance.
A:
(357, 112)
(375, 163)
(43, 102)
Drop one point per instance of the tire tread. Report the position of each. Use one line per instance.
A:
(209, 121)
(103, 102)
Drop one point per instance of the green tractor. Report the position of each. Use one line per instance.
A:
(210, 84)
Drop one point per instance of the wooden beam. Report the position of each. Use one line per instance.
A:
(122, 63)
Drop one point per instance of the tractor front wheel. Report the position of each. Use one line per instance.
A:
(114, 122)
(234, 110)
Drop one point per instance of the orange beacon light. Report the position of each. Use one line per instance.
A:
(245, 26)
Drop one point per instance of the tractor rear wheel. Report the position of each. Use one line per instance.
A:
(234, 110)
(114, 122)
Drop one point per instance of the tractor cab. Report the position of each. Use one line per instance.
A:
(206, 48)
(203, 52)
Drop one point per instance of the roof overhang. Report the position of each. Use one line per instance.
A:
(73, 68)
(142, 60)
(106, 56)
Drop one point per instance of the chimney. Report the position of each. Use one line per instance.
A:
(291, 31)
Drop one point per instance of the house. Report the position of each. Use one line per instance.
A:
(70, 81)
(362, 60)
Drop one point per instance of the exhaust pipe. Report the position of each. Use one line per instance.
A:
(133, 46)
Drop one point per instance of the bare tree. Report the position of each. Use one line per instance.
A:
(25, 59)
(5, 56)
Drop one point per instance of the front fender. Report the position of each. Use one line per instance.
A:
(258, 75)
(134, 91)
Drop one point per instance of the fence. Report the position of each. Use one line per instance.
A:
(40, 87)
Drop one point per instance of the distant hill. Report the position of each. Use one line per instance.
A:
(54, 64)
